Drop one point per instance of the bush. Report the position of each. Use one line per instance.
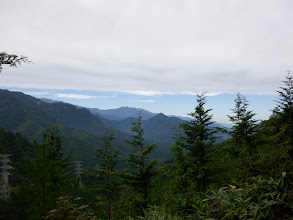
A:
(258, 198)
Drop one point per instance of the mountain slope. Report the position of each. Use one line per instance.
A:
(19, 148)
(122, 113)
(31, 117)
(81, 129)
(157, 129)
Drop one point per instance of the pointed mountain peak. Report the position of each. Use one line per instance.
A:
(159, 116)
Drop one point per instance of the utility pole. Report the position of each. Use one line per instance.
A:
(4, 182)
(78, 169)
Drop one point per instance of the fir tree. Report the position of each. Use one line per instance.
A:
(142, 169)
(194, 144)
(46, 176)
(108, 179)
(285, 105)
(244, 127)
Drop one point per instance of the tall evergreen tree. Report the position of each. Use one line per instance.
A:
(46, 176)
(142, 169)
(195, 142)
(244, 132)
(285, 105)
(244, 127)
(108, 178)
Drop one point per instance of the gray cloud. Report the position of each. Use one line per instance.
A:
(158, 46)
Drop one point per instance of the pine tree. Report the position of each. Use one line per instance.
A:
(46, 176)
(182, 164)
(142, 169)
(244, 129)
(108, 178)
(194, 144)
(285, 105)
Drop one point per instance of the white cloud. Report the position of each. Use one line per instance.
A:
(75, 96)
(159, 46)
(205, 93)
(105, 96)
(147, 93)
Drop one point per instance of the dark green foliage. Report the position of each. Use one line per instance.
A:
(285, 102)
(244, 131)
(108, 181)
(244, 127)
(142, 169)
(193, 145)
(273, 155)
(285, 106)
(19, 148)
(46, 177)
(257, 198)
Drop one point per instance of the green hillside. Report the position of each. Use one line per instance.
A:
(81, 130)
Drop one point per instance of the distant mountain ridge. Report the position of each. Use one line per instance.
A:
(131, 112)
(113, 114)
(121, 119)
(31, 117)
(122, 113)
(157, 129)
(82, 128)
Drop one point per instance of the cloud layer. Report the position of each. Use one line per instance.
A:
(149, 47)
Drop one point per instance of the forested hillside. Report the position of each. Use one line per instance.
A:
(248, 176)
(81, 130)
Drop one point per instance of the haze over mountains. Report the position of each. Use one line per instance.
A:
(82, 127)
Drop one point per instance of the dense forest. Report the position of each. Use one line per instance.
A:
(248, 176)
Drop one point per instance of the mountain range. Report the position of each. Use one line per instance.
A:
(83, 127)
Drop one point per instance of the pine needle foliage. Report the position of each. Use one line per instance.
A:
(47, 178)
(107, 176)
(244, 123)
(285, 105)
(192, 146)
(142, 168)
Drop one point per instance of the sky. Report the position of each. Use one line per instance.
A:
(153, 54)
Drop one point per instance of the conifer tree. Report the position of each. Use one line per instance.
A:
(108, 179)
(142, 169)
(244, 127)
(181, 161)
(198, 136)
(285, 105)
(46, 176)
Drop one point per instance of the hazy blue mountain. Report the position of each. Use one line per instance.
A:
(157, 129)
(131, 112)
(122, 113)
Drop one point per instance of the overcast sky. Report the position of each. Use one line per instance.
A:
(148, 47)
